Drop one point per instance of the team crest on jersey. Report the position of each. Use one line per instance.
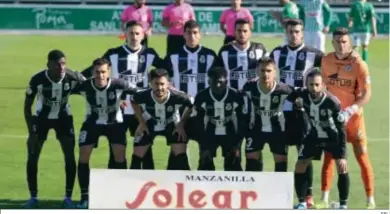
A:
(202, 59)
(251, 54)
(169, 108)
(66, 86)
(275, 99)
(301, 56)
(111, 96)
(348, 68)
(228, 107)
(29, 91)
(323, 113)
(142, 59)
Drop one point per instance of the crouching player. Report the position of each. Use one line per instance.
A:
(326, 122)
(267, 118)
(157, 111)
(221, 121)
(104, 118)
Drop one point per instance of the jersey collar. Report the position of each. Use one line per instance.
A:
(59, 82)
(261, 92)
(224, 97)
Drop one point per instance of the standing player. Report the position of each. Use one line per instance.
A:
(52, 88)
(240, 57)
(188, 67)
(157, 110)
(317, 19)
(175, 16)
(347, 77)
(140, 13)
(322, 111)
(103, 118)
(228, 19)
(294, 60)
(220, 121)
(267, 119)
(363, 22)
(131, 62)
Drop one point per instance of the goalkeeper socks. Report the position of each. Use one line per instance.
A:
(32, 171)
(300, 183)
(367, 173)
(70, 170)
(147, 161)
(327, 172)
(281, 167)
(135, 162)
(83, 175)
(309, 177)
(365, 55)
(343, 186)
(253, 165)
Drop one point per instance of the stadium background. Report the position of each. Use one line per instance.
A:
(30, 28)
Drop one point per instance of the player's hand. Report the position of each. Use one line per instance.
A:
(325, 30)
(141, 130)
(181, 133)
(299, 103)
(342, 164)
(123, 104)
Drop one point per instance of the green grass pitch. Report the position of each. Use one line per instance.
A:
(22, 56)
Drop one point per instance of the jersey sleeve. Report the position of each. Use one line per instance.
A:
(192, 13)
(150, 16)
(138, 98)
(318, 58)
(363, 76)
(124, 16)
(371, 12)
(167, 65)
(339, 121)
(157, 62)
(352, 11)
(219, 60)
(185, 99)
(32, 87)
(222, 19)
(198, 105)
(294, 94)
(327, 14)
(166, 12)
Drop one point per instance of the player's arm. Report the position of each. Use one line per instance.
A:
(339, 121)
(219, 61)
(75, 85)
(187, 103)
(199, 117)
(165, 18)
(124, 19)
(327, 16)
(137, 99)
(150, 22)
(31, 92)
(242, 115)
(222, 22)
(373, 21)
(318, 58)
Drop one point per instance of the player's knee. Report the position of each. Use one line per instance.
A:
(359, 148)
(119, 152)
(254, 155)
(232, 161)
(140, 151)
(85, 153)
(280, 158)
(301, 165)
(179, 148)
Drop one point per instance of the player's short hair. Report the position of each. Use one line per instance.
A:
(340, 31)
(217, 72)
(132, 23)
(55, 55)
(100, 62)
(292, 22)
(158, 73)
(191, 24)
(265, 60)
(241, 22)
(314, 72)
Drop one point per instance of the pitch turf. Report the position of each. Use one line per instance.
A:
(22, 56)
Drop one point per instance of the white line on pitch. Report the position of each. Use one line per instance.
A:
(25, 136)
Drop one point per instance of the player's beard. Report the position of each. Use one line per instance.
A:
(242, 43)
(160, 94)
(316, 95)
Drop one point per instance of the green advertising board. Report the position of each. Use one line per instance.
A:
(107, 19)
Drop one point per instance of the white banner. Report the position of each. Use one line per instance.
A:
(160, 189)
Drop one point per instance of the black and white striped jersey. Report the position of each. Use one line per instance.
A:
(53, 97)
(131, 66)
(325, 117)
(294, 64)
(266, 109)
(240, 64)
(220, 115)
(161, 114)
(188, 68)
(103, 104)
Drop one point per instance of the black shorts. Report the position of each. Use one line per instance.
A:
(144, 42)
(228, 39)
(174, 43)
(228, 143)
(294, 127)
(90, 133)
(256, 140)
(313, 148)
(191, 129)
(147, 139)
(63, 126)
(130, 123)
